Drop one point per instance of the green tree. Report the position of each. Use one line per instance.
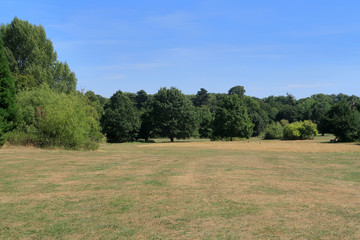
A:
(32, 58)
(343, 121)
(238, 90)
(94, 101)
(141, 99)
(173, 114)
(257, 115)
(231, 119)
(7, 96)
(146, 127)
(121, 121)
(205, 118)
(202, 98)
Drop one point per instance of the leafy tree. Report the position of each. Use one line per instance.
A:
(146, 127)
(141, 99)
(231, 119)
(257, 115)
(237, 90)
(32, 58)
(173, 114)
(94, 101)
(51, 119)
(7, 96)
(343, 122)
(202, 98)
(121, 121)
(64, 79)
(205, 122)
(288, 112)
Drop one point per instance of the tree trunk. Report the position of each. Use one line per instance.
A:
(172, 139)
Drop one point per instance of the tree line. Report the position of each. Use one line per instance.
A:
(40, 106)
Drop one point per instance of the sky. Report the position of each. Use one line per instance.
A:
(271, 47)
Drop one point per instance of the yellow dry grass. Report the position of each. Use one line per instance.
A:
(300, 146)
(186, 190)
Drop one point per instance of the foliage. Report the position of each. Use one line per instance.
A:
(146, 127)
(202, 98)
(7, 96)
(32, 58)
(288, 112)
(237, 90)
(257, 115)
(274, 131)
(231, 119)
(205, 118)
(343, 122)
(300, 130)
(172, 114)
(141, 99)
(94, 101)
(121, 121)
(50, 119)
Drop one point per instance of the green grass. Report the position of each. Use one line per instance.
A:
(179, 191)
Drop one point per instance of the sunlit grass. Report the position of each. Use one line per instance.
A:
(182, 190)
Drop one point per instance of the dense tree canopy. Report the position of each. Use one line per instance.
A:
(343, 121)
(7, 95)
(231, 119)
(173, 114)
(238, 90)
(121, 121)
(32, 58)
(202, 98)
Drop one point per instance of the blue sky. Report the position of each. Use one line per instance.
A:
(270, 47)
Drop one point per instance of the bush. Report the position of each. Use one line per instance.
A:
(300, 130)
(50, 119)
(274, 131)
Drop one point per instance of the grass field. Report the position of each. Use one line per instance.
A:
(183, 190)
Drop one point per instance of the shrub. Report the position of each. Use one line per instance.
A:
(50, 119)
(300, 130)
(274, 131)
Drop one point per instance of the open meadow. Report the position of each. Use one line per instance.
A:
(183, 190)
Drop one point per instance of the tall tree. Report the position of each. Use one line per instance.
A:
(231, 119)
(7, 95)
(256, 114)
(32, 58)
(173, 114)
(343, 121)
(121, 120)
(141, 99)
(238, 90)
(202, 98)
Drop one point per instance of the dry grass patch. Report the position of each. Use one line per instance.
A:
(200, 190)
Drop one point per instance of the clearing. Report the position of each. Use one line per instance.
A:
(183, 190)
